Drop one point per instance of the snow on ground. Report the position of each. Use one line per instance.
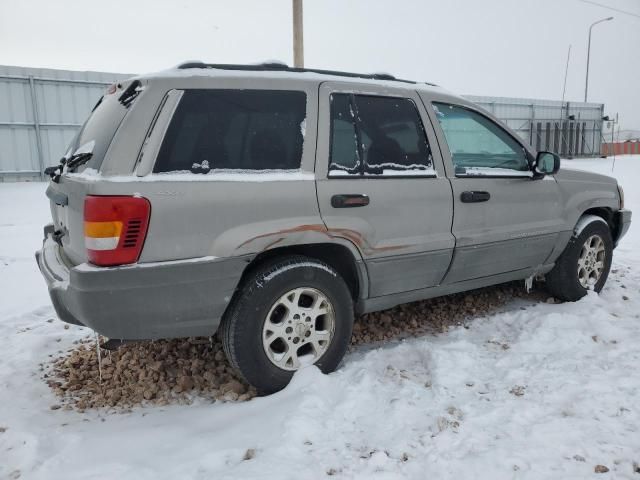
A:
(531, 392)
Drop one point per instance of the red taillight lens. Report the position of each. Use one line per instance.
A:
(115, 228)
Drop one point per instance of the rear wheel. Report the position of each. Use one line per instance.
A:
(584, 264)
(291, 312)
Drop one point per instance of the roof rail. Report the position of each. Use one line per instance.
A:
(282, 67)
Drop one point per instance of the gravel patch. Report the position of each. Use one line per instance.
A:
(181, 371)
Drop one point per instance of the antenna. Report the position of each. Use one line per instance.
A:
(566, 71)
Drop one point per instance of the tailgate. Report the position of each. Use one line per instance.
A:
(67, 210)
(95, 136)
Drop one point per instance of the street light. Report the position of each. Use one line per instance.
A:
(586, 82)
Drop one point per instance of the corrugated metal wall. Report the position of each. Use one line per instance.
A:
(571, 129)
(40, 111)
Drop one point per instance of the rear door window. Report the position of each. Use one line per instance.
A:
(375, 135)
(234, 130)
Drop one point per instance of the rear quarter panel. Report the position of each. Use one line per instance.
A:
(222, 215)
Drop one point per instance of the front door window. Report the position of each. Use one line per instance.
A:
(478, 145)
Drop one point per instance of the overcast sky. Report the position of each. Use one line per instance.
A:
(483, 47)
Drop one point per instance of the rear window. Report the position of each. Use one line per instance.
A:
(98, 130)
(235, 130)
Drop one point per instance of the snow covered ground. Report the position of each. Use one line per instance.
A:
(531, 392)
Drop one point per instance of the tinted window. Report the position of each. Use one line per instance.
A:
(345, 156)
(386, 132)
(100, 129)
(477, 143)
(234, 129)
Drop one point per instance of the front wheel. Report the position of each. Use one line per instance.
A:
(584, 264)
(291, 312)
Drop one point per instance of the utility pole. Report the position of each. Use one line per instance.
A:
(298, 35)
(586, 81)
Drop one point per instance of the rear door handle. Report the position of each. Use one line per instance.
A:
(349, 200)
(474, 197)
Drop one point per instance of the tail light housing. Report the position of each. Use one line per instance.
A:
(115, 228)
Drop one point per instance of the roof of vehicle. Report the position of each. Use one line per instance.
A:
(279, 70)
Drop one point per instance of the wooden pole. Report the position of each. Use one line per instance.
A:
(298, 35)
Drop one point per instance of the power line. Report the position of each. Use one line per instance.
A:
(611, 8)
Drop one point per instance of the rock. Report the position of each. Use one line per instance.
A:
(249, 454)
(233, 386)
(600, 469)
(55, 407)
(185, 383)
(230, 396)
(3, 429)
(148, 394)
(579, 458)
(517, 390)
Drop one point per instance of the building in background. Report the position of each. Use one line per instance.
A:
(41, 109)
(620, 142)
(571, 129)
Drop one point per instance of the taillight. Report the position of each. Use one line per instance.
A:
(115, 228)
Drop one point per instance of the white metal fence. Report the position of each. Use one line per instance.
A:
(40, 111)
(571, 129)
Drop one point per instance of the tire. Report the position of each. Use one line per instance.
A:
(260, 326)
(564, 281)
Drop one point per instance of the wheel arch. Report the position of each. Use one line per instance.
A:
(605, 213)
(341, 258)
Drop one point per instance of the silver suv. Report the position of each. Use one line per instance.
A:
(272, 204)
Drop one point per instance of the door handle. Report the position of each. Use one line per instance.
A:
(474, 197)
(349, 200)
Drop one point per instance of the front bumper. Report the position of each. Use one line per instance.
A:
(622, 223)
(181, 298)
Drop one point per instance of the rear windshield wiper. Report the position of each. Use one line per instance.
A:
(73, 162)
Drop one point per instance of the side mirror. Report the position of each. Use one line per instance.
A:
(546, 163)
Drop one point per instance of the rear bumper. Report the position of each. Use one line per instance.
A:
(622, 222)
(141, 301)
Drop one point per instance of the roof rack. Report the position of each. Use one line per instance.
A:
(283, 67)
